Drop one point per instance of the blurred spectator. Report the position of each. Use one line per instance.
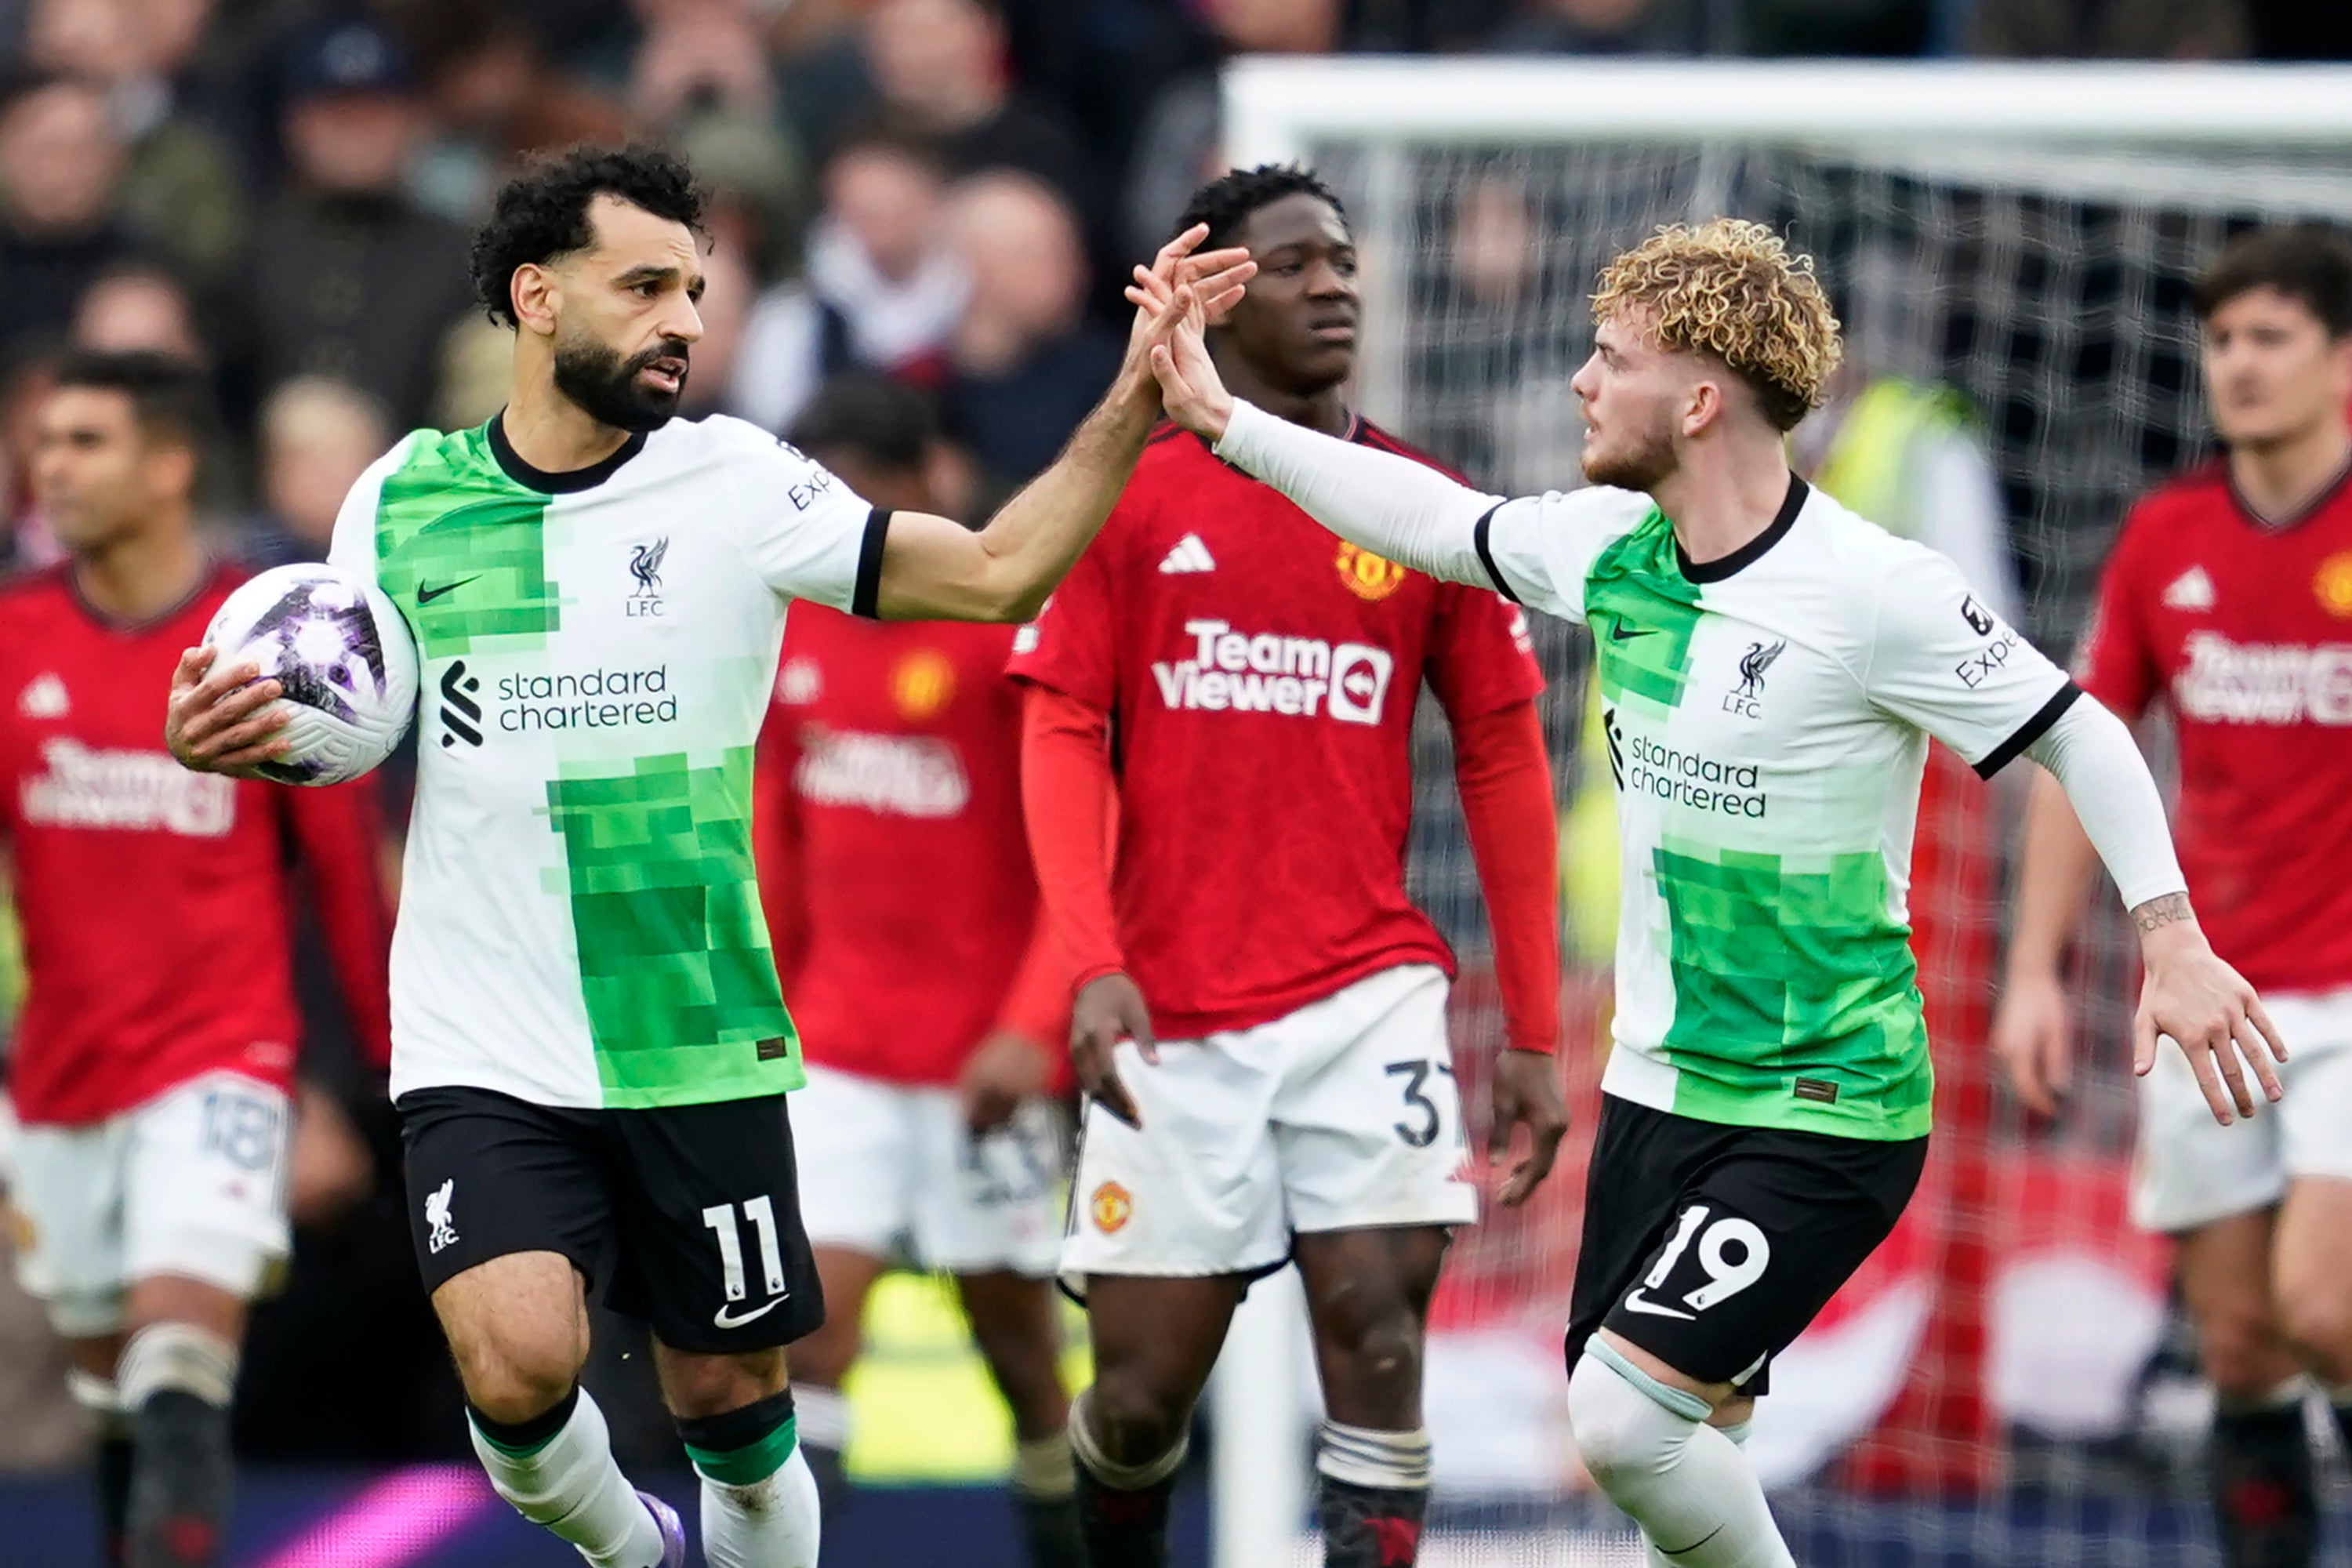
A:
(1024, 364)
(697, 57)
(495, 96)
(28, 368)
(349, 278)
(182, 188)
(317, 435)
(941, 69)
(2111, 29)
(138, 305)
(1813, 28)
(60, 161)
(1179, 147)
(882, 289)
(1602, 27)
(728, 290)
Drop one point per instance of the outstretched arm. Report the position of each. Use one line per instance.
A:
(2190, 994)
(934, 568)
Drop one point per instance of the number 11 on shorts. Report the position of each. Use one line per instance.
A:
(761, 1212)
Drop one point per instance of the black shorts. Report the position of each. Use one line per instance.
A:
(1712, 1246)
(685, 1217)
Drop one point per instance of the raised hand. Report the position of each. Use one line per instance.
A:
(1191, 391)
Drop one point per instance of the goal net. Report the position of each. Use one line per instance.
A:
(2013, 251)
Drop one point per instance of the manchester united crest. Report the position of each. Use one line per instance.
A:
(1112, 1206)
(1367, 575)
(2332, 585)
(921, 685)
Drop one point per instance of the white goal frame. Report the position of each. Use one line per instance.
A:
(2199, 135)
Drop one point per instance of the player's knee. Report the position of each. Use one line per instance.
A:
(2242, 1350)
(1382, 1357)
(513, 1382)
(1132, 1423)
(2317, 1325)
(1626, 1430)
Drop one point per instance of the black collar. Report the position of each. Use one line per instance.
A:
(2299, 516)
(566, 482)
(1747, 554)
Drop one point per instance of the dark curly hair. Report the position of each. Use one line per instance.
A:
(1225, 202)
(542, 212)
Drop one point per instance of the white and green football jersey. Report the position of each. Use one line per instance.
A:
(1767, 718)
(580, 924)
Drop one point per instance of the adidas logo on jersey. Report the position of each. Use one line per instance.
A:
(44, 697)
(1190, 555)
(2192, 589)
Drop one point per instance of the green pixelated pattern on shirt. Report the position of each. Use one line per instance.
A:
(1783, 973)
(1643, 611)
(675, 966)
(461, 548)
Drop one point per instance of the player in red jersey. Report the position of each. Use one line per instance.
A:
(152, 1065)
(904, 915)
(2228, 601)
(1243, 684)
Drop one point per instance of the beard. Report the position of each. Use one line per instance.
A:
(594, 376)
(1646, 463)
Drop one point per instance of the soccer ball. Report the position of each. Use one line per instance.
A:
(342, 653)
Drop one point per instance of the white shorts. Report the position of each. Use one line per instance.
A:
(193, 1183)
(1342, 1116)
(2189, 1170)
(885, 1164)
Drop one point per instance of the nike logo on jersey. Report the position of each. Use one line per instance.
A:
(425, 596)
(727, 1317)
(1636, 1302)
(1190, 555)
(1619, 631)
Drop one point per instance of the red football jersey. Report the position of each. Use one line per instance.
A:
(2244, 631)
(154, 899)
(1261, 675)
(894, 865)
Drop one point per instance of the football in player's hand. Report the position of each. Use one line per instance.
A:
(342, 655)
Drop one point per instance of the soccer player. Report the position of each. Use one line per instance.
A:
(589, 1051)
(2227, 600)
(151, 1067)
(1241, 684)
(1772, 666)
(932, 1017)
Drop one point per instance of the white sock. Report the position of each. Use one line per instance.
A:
(572, 1486)
(766, 1523)
(1688, 1487)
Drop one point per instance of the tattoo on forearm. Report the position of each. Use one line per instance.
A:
(2170, 909)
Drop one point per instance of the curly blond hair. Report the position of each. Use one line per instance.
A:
(1733, 290)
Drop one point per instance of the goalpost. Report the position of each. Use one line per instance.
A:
(2005, 1380)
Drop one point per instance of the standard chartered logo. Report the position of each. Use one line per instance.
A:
(1689, 779)
(593, 700)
